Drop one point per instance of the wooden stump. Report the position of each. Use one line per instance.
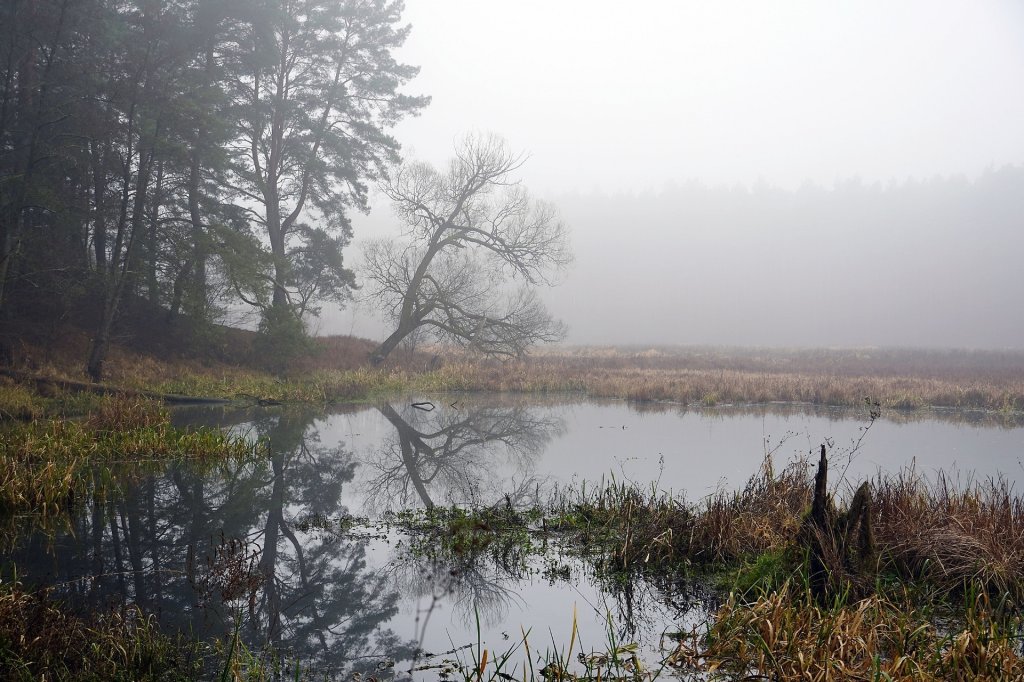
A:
(840, 546)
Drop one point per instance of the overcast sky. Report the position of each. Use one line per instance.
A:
(615, 97)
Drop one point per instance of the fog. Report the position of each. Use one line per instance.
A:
(797, 173)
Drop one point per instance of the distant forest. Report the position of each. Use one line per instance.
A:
(183, 156)
(168, 161)
(931, 262)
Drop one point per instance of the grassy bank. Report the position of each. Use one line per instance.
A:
(336, 369)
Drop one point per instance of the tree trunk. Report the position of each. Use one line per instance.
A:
(197, 264)
(117, 278)
(389, 344)
(99, 189)
(152, 238)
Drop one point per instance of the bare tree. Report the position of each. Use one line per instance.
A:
(472, 233)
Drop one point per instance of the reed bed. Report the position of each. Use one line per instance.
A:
(948, 535)
(715, 386)
(645, 526)
(337, 369)
(784, 635)
(40, 639)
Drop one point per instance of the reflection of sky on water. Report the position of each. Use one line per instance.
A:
(348, 601)
(697, 450)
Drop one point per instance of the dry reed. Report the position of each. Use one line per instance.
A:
(933, 531)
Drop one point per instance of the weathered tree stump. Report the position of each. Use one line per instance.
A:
(840, 546)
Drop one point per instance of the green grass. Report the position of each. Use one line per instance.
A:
(47, 466)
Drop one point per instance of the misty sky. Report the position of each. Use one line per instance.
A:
(638, 99)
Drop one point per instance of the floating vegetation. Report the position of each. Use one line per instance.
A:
(461, 530)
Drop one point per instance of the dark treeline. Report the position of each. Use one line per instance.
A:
(184, 155)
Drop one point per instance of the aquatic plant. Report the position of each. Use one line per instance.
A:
(615, 661)
(40, 638)
(45, 467)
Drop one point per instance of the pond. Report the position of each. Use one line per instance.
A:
(301, 550)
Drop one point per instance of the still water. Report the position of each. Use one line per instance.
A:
(340, 588)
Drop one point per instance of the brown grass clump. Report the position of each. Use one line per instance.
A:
(952, 535)
(122, 413)
(18, 402)
(651, 527)
(954, 538)
(784, 635)
(763, 517)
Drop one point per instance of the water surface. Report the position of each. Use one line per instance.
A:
(272, 544)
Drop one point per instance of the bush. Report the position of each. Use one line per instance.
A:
(281, 339)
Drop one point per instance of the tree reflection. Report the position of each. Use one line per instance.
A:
(472, 457)
(477, 456)
(309, 593)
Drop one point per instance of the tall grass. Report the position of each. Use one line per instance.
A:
(338, 370)
(45, 467)
(725, 385)
(42, 639)
(645, 526)
(951, 536)
(950, 533)
(785, 635)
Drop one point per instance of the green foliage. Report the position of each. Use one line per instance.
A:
(765, 573)
(458, 532)
(282, 338)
